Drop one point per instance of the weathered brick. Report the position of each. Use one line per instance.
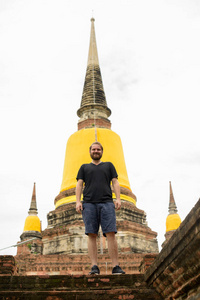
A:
(175, 273)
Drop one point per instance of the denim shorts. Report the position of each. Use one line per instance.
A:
(96, 214)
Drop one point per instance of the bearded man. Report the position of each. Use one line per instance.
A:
(98, 207)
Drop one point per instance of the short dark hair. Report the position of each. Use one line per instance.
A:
(97, 144)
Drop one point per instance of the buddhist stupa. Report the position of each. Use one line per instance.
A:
(93, 125)
(32, 226)
(173, 219)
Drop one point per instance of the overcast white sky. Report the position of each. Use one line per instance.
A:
(149, 53)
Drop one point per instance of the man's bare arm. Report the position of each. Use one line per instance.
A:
(116, 188)
(79, 188)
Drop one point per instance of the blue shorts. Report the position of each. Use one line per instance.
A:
(96, 214)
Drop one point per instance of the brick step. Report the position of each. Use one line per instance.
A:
(73, 264)
(75, 269)
(76, 287)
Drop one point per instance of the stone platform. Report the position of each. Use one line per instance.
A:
(173, 274)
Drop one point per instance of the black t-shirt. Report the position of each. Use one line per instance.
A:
(97, 180)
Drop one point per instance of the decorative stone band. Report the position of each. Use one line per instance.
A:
(72, 198)
(93, 111)
(89, 123)
(30, 234)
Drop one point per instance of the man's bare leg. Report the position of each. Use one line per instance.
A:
(92, 248)
(112, 248)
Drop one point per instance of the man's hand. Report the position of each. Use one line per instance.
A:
(118, 204)
(79, 207)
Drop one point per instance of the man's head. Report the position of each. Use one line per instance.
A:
(96, 151)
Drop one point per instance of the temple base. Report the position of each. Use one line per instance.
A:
(65, 233)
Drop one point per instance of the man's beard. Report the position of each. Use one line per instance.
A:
(96, 156)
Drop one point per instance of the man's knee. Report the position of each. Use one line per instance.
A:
(92, 235)
(110, 235)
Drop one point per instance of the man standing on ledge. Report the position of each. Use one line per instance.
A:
(98, 207)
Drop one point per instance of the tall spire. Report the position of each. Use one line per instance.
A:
(93, 104)
(33, 206)
(93, 55)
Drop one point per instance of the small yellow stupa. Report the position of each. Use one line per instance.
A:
(93, 125)
(32, 226)
(173, 220)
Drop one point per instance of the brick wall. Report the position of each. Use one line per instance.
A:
(7, 265)
(175, 273)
